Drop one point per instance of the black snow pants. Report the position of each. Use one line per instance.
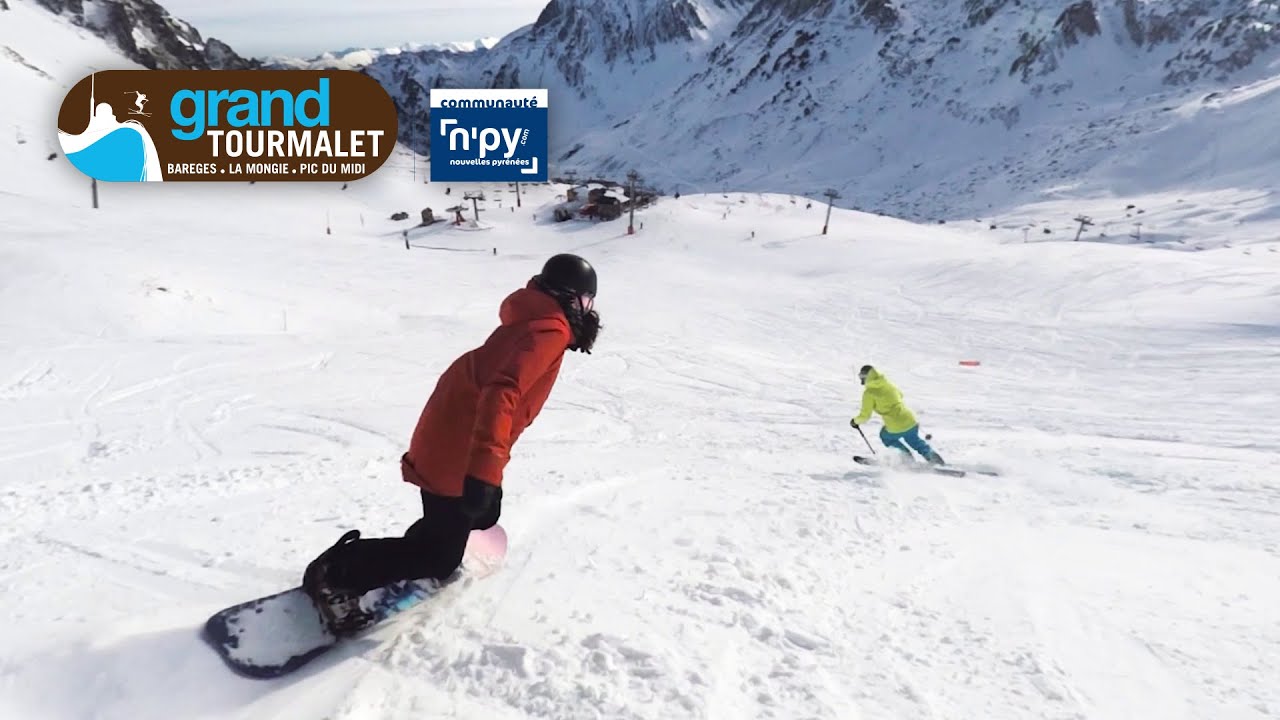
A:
(431, 547)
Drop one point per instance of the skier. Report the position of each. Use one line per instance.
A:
(900, 429)
(462, 442)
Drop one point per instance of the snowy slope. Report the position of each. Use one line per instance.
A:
(926, 110)
(200, 389)
(41, 57)
(189, 413)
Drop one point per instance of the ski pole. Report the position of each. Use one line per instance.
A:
(864, 439)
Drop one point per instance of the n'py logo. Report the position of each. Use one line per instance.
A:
(224, 125)
(489, 135)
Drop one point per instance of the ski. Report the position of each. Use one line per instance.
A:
(912, 466)
(945, 469)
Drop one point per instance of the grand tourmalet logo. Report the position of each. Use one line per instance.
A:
(227, 125)
(489, 135)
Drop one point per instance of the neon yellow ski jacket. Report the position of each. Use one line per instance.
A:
(883, 397)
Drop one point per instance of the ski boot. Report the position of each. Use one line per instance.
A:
(935, 459)
(339, 607)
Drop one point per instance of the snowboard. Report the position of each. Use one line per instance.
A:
(275, 635)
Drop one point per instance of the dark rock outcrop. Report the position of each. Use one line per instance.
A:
(1077, 21)
(980, 11)
(880, 13)
(147, 34)
(1226, 45)
(1039, 54)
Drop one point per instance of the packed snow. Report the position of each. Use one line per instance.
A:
(202, 386)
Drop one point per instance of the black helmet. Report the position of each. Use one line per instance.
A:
(863, 373)
(569, 274)
(572, 282)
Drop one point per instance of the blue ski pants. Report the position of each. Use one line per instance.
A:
(910, 438)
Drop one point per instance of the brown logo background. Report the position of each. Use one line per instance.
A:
(357, 105)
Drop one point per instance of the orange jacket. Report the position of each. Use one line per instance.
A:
(487, 397)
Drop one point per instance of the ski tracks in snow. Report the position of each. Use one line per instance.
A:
(677, 620)
(1000, 598)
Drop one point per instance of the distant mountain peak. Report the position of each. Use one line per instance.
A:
(354, 58)
(614, 29)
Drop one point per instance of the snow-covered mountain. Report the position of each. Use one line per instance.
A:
(355, 58)
(602, 60)
(922, 109)
(147, 34)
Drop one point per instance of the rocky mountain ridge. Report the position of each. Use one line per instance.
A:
(910, 106)
(147, 34)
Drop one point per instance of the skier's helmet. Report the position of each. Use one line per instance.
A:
(863, 373)
(569, 274)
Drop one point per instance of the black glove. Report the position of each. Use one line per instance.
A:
(853, 423)
(481, 501)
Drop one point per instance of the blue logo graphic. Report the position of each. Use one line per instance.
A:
(111, 150)
(489, 135)
(119, 156)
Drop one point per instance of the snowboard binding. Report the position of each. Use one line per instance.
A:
(338, 607)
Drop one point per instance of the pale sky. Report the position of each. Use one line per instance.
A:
(256, 28)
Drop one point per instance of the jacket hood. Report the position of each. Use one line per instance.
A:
(875, 379)
(529, 304)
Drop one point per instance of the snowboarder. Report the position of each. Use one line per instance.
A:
(900, 429)
(462, 442)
